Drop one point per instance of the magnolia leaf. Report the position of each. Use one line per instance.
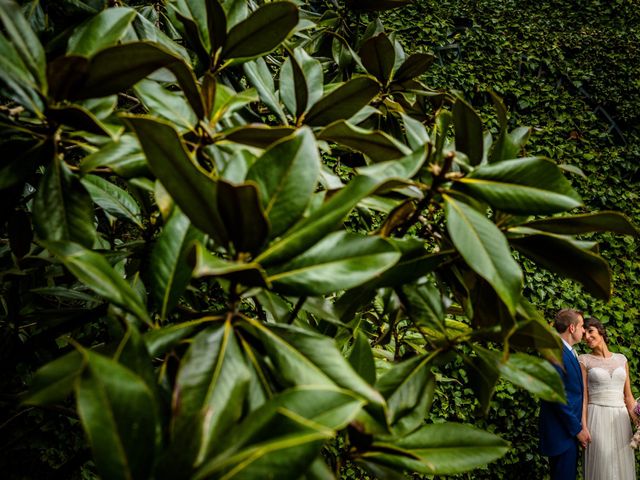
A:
(485, 249)
(522, 186)
(468, 131)
(94, 271)
(112, 199)
(192, 189)
(169, 269)
(286, 176)
(377, 145)
(119, 415)
(262, 31)
(566, 258)
(338, 262)
(62, 208)
(441, 449)
(343, 102)
(103, 30)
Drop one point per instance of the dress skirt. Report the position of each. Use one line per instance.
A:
(609, 456)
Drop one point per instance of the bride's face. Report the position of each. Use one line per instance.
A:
(592, 337)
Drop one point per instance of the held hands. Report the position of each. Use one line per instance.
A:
(584, 437)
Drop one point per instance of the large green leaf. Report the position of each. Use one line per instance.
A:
(508, 144)
(192, 190)
(112, 199)
(242, 214)
(343, 102)
(424, 305)
(409, 389)
(209, 20)
(103, 30)
(414, 65)
(119, 415)
(523, 186)
(410, 268)
(442, 449)
(208, 265)
(376, 144)
(534, 331)
(265, 29)
(161, 340)
(585, 223)
(119, 67)
(286, 176)
(123, 156)
(258, 135)
(485, 249)
(260, 77)
(55, 381)
(301, 82)
(147, 30)
(378, 57)
(169, 269)
(17, 78)
(62, 208)
(94, 271)
(191, 31)
(167, 104)
(227, 100)
(283, 437)
(398, 169)
(483, 376)
(361, 358)
(534, 374)
(468, 131)
(302, 357)
(563, 256)
(340, 261)
(25, 41)
(210, 387)
(216, 25)
(324, 220)
(76, 117)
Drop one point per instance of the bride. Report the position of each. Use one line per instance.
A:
(608, 408)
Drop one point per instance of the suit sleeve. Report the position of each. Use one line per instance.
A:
(572, 423)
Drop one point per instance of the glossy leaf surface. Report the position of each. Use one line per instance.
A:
(119, 415)
(286, 176)
(339, 262)
(485, 250)
(168, 158)
(94, 271)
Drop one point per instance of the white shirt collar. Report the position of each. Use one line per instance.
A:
(566, 343)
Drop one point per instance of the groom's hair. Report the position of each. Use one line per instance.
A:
(566, 317)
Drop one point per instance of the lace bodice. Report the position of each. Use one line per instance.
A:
(605, 378)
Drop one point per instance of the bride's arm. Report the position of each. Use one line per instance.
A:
(585, 397)
(629, 401)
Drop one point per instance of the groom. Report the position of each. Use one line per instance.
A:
(561, 426)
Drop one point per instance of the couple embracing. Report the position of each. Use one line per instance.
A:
(599, 409)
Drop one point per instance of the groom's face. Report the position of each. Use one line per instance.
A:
(578, 330)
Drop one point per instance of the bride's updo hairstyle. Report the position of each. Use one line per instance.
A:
(595, 323)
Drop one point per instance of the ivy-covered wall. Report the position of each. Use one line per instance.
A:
(571, 71)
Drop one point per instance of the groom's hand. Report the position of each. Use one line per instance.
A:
(584, 437)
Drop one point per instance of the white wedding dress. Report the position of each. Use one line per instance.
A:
(608, 456)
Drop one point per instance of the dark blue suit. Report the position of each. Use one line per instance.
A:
(559, 424)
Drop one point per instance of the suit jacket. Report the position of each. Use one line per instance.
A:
(560, 423)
